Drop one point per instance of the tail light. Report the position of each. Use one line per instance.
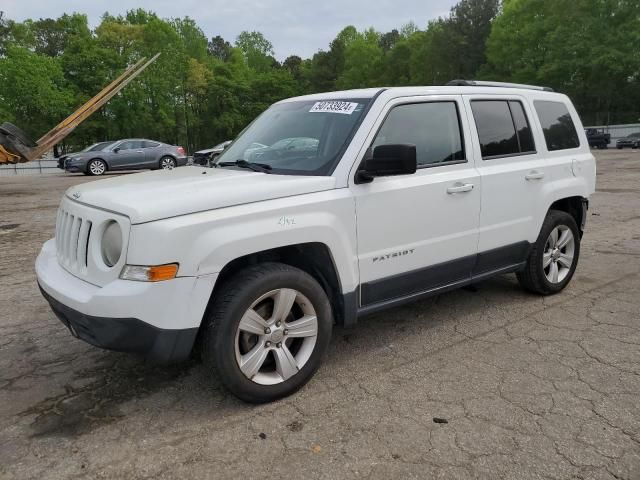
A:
(181, 151)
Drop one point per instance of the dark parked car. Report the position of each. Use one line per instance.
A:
(205, 157)
(598, 138)
(630, 141)
(128, 154)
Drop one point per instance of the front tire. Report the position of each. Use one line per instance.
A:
(267, 331)
(96, 168)
(554, 257)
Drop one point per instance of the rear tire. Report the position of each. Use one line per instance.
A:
(168, 163)
(96, 168)
(554, 257)
(267, 331)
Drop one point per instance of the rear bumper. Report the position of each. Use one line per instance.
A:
(182, 161)
(126, 334)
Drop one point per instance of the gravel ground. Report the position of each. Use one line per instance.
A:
(486, 382)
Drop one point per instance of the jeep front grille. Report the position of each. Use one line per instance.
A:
(72, 240)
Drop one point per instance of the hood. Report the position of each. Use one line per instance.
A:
(149, 196)
(206, 151)
(71, 155)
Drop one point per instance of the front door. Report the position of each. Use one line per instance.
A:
(419, 232)
(130, 155)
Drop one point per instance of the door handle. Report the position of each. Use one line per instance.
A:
(139, 151)
(534, 175)
(460, 188)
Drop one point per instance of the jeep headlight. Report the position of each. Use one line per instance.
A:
(111, 244)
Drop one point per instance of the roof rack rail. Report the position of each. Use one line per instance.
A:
(480, 83)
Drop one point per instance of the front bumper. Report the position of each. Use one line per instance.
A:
(75, 166)
(201, 159)
(159, 320)
(126, 334)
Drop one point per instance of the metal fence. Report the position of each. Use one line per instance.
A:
(30, 168)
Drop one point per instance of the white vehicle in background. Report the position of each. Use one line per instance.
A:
(401, 193)
(205, 157)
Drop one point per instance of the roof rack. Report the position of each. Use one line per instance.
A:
(480, 83)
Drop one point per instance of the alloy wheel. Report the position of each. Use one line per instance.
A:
(96, 167)
(168, 163)
(276, 336)
(557, 258)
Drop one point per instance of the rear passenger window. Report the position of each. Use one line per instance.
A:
(433, 127)
(525, 138)
(503, 128)
(559, 131)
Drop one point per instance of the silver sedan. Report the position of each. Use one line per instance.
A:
(128, 154)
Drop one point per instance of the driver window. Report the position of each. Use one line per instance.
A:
(433, 127)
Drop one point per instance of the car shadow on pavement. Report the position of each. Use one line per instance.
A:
(117, 384)
(112, 381)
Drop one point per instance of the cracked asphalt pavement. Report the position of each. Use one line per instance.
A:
(486, 382)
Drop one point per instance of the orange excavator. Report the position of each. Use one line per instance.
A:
(17, 147)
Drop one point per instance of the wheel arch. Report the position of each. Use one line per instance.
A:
(164, 155)
(576, 206)
(314, 258)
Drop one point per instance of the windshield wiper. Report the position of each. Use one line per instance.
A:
(256, 167)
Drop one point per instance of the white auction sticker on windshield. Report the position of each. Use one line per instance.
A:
(334, 106)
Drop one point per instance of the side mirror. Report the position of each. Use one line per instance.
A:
(388, 160)
(116, 150)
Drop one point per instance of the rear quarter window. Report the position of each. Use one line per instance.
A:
(557, 125)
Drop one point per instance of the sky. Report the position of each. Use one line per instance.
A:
(300, 27)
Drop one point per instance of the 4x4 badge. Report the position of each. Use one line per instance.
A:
(75, 195)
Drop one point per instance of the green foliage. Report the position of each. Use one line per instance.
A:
(202, 91)
(257, 50)
(33, 89)
(587, 49)
(363, 58)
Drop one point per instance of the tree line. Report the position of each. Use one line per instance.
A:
(205, 90)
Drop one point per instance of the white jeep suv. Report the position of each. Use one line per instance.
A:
(325, 209)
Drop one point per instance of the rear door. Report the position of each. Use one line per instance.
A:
(152, 151)
(419, 232)
(513, 172)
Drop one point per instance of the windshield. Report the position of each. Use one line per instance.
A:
(299, 138)
(98, 147)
